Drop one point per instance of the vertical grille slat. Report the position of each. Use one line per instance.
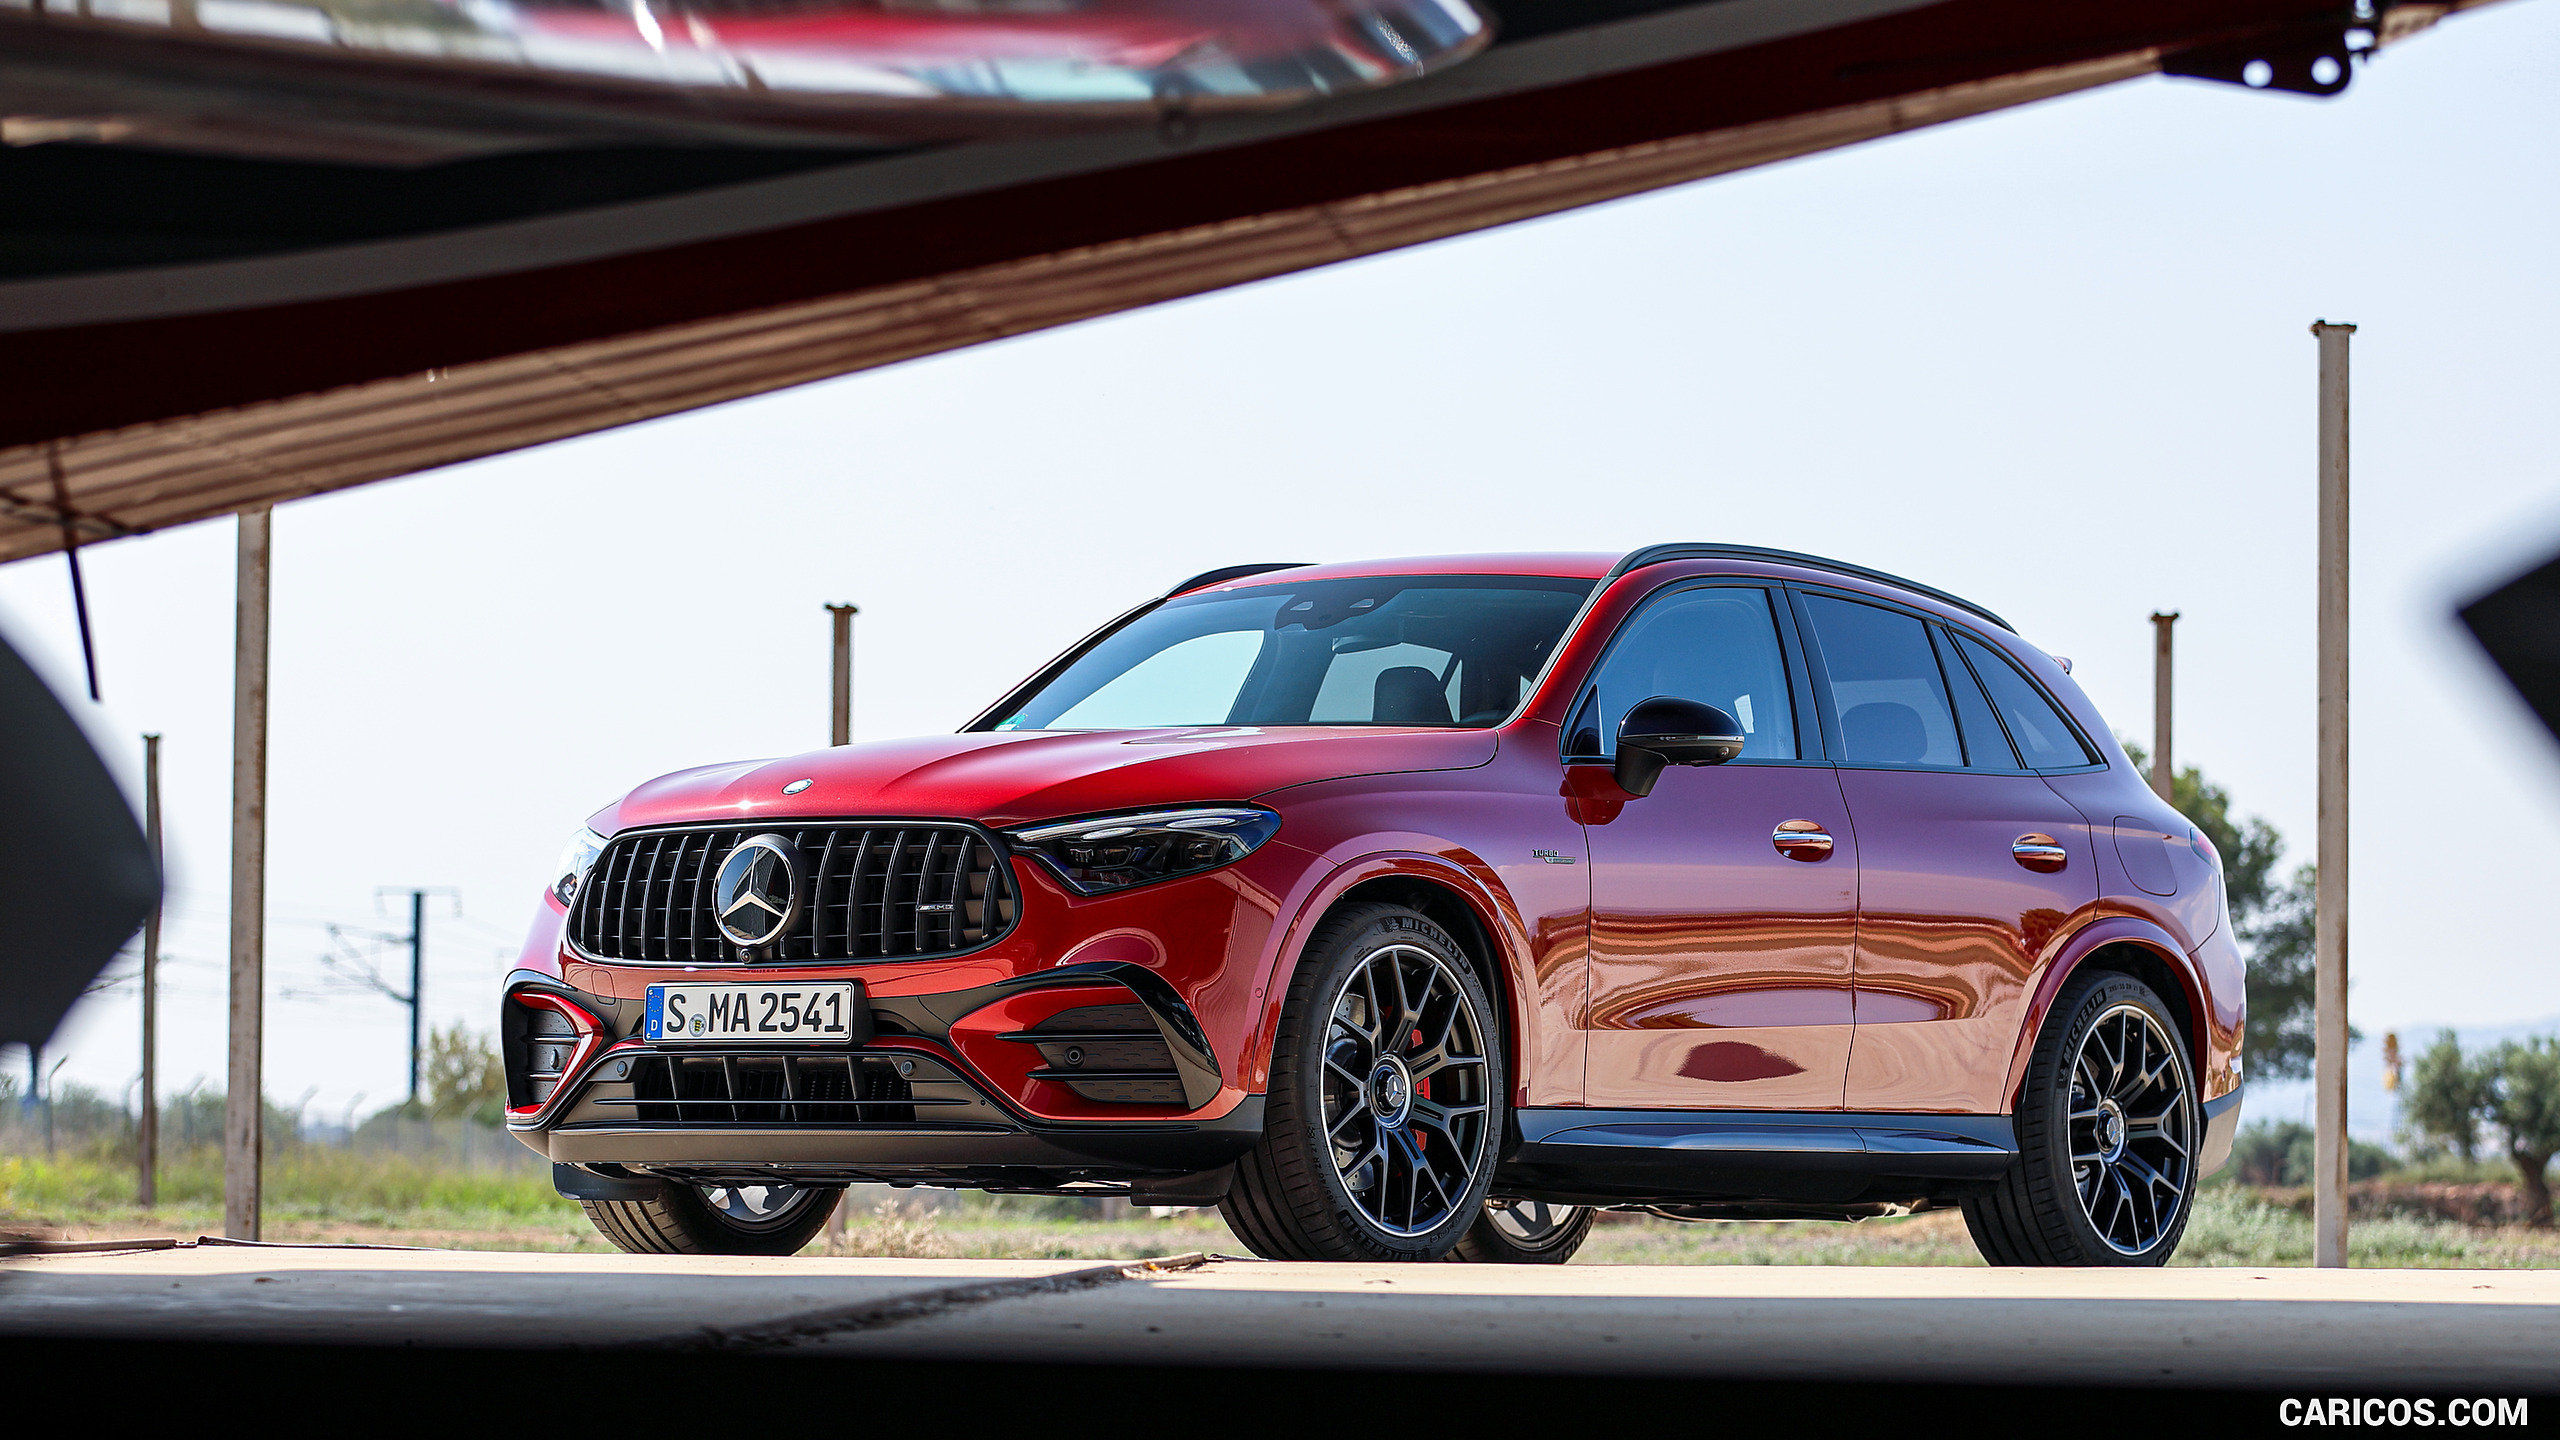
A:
(889, 892)
(648, 897)
(608, 898)
(925, 872)
(695, 929)
(866, 887)
(622, 927)
(955, 893)
(818, 899)
(672, 915)
(996, 903)
(853, 882)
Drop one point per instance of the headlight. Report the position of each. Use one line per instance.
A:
(1114, 852)
(576, 859)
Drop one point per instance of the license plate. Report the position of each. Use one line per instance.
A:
(686, 1013)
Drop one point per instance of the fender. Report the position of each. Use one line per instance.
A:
(1472, 882)
(541, 953)
(2077, 946)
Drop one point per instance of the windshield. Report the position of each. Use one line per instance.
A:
(1449, 650)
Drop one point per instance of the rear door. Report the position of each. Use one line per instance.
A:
(1969, 863)
(1720, 967)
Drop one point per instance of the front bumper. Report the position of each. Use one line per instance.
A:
(997, 1157)
(903, 1104)
(2221, 1127)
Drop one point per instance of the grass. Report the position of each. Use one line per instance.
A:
(312, 1193)
(323, 1194)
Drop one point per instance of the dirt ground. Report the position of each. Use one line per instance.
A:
(2230, 1227)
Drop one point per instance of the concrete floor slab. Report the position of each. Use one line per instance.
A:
(2334, 1331)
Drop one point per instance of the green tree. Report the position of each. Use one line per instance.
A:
(2442, 1101)
(2524, 1103)
(464, 1077)
(2284, 994)
(2287, 1153)
(2272, 922)
(2514, 1089)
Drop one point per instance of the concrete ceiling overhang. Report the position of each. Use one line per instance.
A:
(150, 395)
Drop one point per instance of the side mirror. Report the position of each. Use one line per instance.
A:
(1667, 731)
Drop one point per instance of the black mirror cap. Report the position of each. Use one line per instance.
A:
(1666, 730)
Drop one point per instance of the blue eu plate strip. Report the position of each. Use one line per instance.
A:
(657, 1006)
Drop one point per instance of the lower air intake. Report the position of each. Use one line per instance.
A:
(1109, 1054)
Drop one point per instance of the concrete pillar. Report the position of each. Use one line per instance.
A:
(2329, 925)
(243, 1120)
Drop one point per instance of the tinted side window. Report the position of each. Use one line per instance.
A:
(1985, 748)
(2045, 740)
(1885, 686)
(1718, 645)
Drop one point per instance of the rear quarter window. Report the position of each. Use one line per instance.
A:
(2045, 740)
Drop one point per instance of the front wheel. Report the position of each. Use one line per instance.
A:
(2108, 1135)
(1385, 1100)
(716, 1219)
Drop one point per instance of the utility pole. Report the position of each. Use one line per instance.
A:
(2329, 922)
(417, 981)
(2164, 776)
(841, 732)
(243, 1115)
(416, 998)
(147, 1141)
(49, 1077)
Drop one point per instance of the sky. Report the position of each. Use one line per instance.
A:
(2054, 359)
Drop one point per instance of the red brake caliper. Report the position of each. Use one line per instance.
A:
(1423, 1089)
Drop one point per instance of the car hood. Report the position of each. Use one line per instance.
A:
(1015, 777)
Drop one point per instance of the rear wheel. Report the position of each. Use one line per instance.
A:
(1386, 1088)
(716, 1219)
(1525, 1232)
(2108, 1133)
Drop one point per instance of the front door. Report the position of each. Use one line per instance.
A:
(1723, 905)
(1969, 862)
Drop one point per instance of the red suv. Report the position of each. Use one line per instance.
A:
(1416, 907)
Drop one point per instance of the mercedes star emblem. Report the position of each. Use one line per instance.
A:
(757, 893)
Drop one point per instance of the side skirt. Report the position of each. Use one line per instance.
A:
(1826, 1157)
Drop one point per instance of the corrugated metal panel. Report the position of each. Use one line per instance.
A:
(149, 477)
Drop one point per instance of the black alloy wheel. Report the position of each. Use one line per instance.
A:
(2109, 1133)
(1386, 1088)
(1525, 1232)
(751, 1218)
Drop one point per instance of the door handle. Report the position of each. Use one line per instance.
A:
(1801, 840)
(2040, 853)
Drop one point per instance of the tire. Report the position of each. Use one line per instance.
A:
(716, 1220)
(1525, 1232)
(2089, 1189)
(1376, 1146)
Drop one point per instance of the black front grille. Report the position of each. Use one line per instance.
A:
(885, 892)
(770, 1090)
(812, 1089)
